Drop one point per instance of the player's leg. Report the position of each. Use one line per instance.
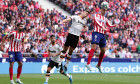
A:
(66, 74)
(63, 52)
(18, 56)
(73, 44)
(68, 57)
(50, 66)
(101, 55)
(11, 60)
(95, 41)
(11, 72)
(102, 46)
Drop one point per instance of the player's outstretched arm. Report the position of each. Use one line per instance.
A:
(109, 24)
(65, 21)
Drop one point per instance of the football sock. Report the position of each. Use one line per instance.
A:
(66, 74)
(90, 55)
(47, 76)
(19, 70)
(68, 60)
(11, 73)
(100, 58)
(62, 56)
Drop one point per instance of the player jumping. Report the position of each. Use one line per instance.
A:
(78, 23)
(98, 36)
(54, 52)
(16, 39)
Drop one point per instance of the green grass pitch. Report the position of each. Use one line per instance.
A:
(77, 79)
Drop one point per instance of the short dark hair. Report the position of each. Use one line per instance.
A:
(19, 24)
(52, 36)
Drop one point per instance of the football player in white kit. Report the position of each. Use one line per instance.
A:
(78, 24)
(54, 52)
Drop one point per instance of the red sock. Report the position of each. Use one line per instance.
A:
(19, 72)
(90, 55)
(11, 73)
(100, 58)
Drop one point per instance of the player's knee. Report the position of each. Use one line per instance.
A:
(102, 51)
(61, 72)
(11, 64)
(68, 57)
(49, 69)
(20, 64)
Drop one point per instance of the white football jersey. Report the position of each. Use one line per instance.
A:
(77, 25)
(54, 49)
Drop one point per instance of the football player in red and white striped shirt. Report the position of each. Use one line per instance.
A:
(98, 36)
(14, 51)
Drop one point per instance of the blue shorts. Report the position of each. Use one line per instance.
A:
(98, 38)
(15, 56)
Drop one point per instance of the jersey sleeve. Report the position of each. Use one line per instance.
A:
(10, 34)
(109, 24)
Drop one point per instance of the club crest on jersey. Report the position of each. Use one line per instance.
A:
(11, 56)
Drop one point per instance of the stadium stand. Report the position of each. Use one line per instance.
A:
(40, 24)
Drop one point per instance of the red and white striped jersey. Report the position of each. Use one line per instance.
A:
(16, 40)
(100, 22)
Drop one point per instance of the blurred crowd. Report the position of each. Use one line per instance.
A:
(122, 40)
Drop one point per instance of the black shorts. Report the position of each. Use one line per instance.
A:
(72, 40)
(52, 64)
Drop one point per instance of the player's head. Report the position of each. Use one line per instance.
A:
(85, 13)
(52, 39)
(20, 27)
(104, 7)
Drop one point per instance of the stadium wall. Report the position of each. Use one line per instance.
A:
(30, 65)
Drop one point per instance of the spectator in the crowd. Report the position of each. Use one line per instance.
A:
(40, 23)
(128, 54)
(27, 51)
(39, 53)
(35, 50)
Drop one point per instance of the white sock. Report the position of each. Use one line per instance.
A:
(67, 61)
(68, 75)
(47, 78)
(61, 59)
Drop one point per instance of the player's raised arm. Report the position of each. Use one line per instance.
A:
(109, 24)
(65, 21)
